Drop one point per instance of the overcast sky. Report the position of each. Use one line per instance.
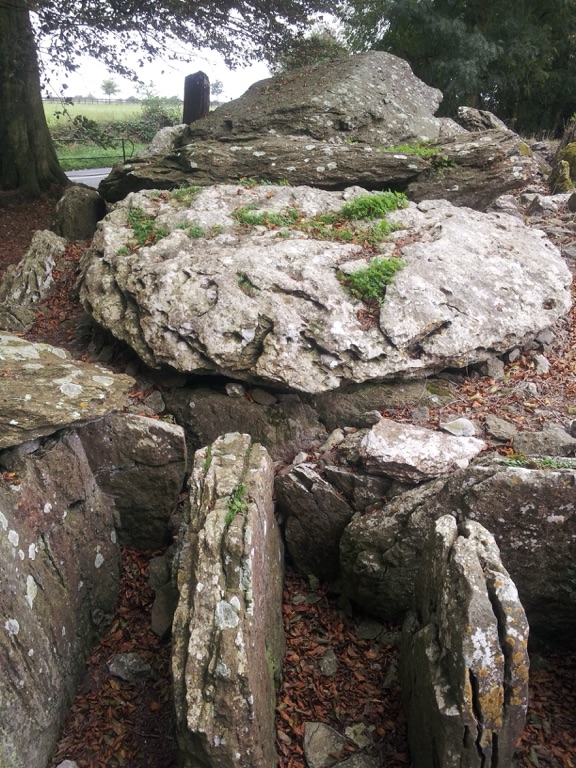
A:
(167, 77)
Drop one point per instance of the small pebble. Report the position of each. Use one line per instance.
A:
(235, 390)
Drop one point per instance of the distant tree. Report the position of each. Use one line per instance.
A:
(515, 58)
(241, 30)
(320, 45)
(217, 88)
(109, 87)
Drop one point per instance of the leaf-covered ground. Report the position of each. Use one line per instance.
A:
(113, 723)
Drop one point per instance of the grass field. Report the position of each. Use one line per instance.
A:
(78, 156)
(98, 112)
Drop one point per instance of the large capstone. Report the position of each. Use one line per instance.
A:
(266, 304)
(359, 120)
(228, 637)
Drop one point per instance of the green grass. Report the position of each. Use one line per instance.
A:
(144, 226)
(420, 149)
(373, 206)
(335, 226)
(102, 113)
(81, 156)
(370, 284)
(248, 216)
(237, 503)
(538, 462)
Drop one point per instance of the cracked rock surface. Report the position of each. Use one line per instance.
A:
(464, 654)
(530, 512)
(265, 305)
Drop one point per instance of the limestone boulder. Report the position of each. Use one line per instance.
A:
(43, 390)
(27, 283)
(228, 637)
(464, 658)
(373, 97)
(141, 463)
(473, 169)
(406, 452)
(59, 570)
(267, 305)
(530, 512)
(78, 212)
(347, 408)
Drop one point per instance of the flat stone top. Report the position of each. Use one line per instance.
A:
(42, 390)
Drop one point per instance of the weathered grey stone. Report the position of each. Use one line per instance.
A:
(501, 429)
(228, 638)
(163, 608)
(283, 428)
(531, 513)
(315, 517)
(373, 97)
(165, 141)
(472, 170)
(42, 390)
(30, 281)
(158, 572)
(553, 441)
(470, 282)
(464, 655)
(78, 212)
(130, 667)
(329, 125)
(346, 409)
(59, 570)
(323, 746)
(407, 452)
(364, 492)
(459, 427)
(479, 120)
(141, 463)
(479, 168)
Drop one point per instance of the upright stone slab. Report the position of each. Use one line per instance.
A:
(59, 573)
(141, 463)
(228, 639)
(196, 97)
(464, 660)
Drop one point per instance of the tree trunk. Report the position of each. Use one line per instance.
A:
(28, 163)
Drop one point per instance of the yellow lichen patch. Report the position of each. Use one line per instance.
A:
(524, 149)
(491, 704)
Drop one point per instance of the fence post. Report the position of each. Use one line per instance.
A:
(196, 97)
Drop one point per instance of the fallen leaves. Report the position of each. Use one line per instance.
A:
(119, 724)
(354, 694)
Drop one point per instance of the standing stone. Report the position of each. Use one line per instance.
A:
(464, 657)
(196, 97)
(227, 633)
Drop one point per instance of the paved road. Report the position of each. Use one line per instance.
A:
(92, 177)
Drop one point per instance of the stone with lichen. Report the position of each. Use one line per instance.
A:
(464, 658)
